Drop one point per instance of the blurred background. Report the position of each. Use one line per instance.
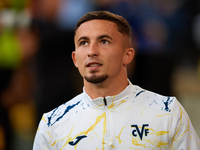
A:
(36, 69)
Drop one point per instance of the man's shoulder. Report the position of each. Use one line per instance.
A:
(153, 100)
(64, 110)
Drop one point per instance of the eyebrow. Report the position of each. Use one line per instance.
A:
(99, 37)
(104, 36)
(83, 38)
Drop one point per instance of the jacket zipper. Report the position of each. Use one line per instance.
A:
(105, 102)
(107, 136)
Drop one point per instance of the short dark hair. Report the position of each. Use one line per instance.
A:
(122, 24)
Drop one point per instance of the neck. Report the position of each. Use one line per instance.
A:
(106, 88)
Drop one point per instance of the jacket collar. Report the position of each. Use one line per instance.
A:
(111, 101)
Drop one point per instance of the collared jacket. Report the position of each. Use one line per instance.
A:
(134, 119)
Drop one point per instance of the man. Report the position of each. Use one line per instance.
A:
(112, 113)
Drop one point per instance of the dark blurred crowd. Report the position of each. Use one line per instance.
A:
(36, 41)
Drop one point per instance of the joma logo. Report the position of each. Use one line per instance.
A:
(140, 133)
(73, 143)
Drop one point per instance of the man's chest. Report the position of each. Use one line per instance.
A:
(102, 129)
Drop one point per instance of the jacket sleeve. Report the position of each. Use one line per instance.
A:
(42, 137)
(183, 134)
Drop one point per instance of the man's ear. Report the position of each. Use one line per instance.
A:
(128, 56)
(74, 58)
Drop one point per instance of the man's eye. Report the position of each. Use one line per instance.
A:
(104, 42)
(83, 43)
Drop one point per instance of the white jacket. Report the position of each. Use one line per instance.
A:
(134, 119)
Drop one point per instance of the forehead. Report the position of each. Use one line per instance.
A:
(94, 27)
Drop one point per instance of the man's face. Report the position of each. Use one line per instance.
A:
(100, 50)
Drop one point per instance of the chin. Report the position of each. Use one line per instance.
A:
(96, 79)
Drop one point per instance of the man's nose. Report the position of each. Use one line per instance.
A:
(93, 50)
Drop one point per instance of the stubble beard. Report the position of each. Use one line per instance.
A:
(95, 79)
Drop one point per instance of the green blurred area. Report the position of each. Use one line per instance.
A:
(14, 4)
(9, 46)
(9, 49)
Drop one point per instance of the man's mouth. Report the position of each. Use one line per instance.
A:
(93, 65)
